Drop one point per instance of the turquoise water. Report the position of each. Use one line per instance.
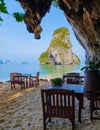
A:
(32, 68)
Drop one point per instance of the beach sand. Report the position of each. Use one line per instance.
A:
(22, 110)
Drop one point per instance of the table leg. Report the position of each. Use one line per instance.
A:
(80, 98)
(25, 82)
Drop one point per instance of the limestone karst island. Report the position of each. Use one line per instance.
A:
(59, 51)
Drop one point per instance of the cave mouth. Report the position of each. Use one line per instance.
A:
(84, 17)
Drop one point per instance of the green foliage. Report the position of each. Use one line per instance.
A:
(1, 19)
(59, 41)
(55, 3)
(57, 81)
(44, 57)
(18, 16)
(3, 8)
(61, 30)
(92, 66)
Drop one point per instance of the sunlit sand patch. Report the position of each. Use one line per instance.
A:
(13, 97)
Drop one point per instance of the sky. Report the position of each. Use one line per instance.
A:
(17, 44)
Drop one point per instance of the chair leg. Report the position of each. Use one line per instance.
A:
(73, 124)
(91, 115)
(91, 111)
(22, 85)
(38, 82)
(30, 82)
(44, 124)
(44, 127)
(14, 85)
(49, 119)
(11, 86)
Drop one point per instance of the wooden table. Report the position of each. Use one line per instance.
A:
(79, 94)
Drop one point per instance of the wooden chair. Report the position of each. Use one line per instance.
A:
(17, 78)
(34, 80)
(94, 104)
(58, 103)
(72, 78)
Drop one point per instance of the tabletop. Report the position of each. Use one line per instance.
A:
(26, 74)
(78, 88)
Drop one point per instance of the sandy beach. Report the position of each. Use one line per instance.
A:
(22, 110)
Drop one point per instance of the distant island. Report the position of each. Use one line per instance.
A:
(9, 62)
(1, 62)
(24, 62)
(6, 62)
(60, 49)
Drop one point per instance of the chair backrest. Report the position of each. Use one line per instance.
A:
(94, 103)
(37, 77)
(72, 78)
(58, 103)
(38, 74)
(15, 74)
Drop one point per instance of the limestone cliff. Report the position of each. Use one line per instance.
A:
(83, 15)
(60, 49)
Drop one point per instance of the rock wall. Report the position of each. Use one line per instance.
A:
(60, 49)
(83, 15)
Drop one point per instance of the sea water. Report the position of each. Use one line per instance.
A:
(31, 68)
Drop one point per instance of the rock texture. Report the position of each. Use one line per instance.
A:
(35, 10)
(83, 15)
(60, 49)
